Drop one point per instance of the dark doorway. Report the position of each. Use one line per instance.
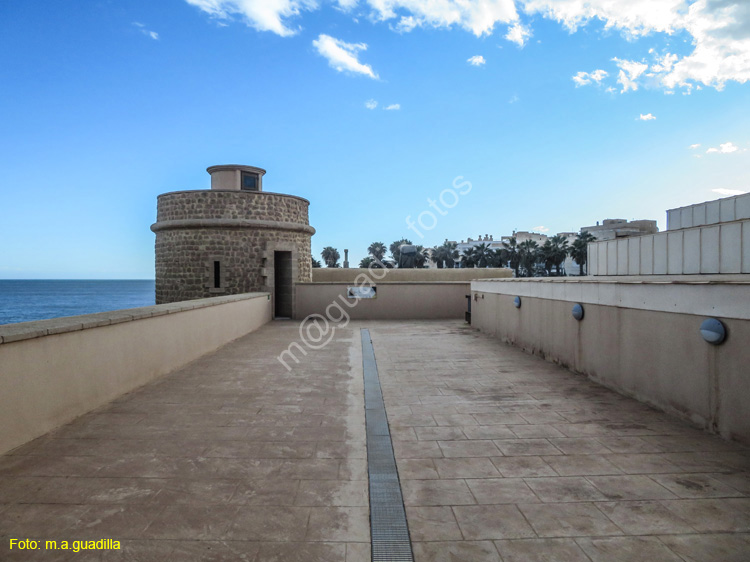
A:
(282, 275)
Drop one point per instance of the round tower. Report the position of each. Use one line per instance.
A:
(234, 238)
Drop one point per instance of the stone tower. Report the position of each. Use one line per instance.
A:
(234, 238)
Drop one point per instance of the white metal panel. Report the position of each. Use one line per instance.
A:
(674, 252)
(726, 207)
(730, 254)
(673, 219)
(647, 255)
(634, 256)
(611, 257)
(660, 253)
(691, 251)
(699, 215)
(622, 257)
(713, 214)
(710, 249)
(742, 207)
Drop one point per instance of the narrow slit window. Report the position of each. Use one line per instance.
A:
(217, 275)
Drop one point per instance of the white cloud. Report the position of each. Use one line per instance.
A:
(477, 16)
(476, 60)
(585, 78)
(720, 32)
(539, 229)
(630, 71)
(513, 99)
(694, 146)
(146, 32)
(343, 56)
(726, 148)
(263, 15)
(518, 34)
(647, 117)
(393, 107)
(371, 104)
(728, 192)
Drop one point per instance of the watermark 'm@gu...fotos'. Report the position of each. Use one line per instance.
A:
(317, 330)
(447, 200)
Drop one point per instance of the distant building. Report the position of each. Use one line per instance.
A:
(621, 228)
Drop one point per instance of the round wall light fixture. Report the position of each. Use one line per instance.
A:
(713, 331)
(517, 302)
(578, 312)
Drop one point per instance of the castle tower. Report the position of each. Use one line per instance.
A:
(234, 238)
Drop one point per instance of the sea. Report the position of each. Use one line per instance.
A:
(27, 300)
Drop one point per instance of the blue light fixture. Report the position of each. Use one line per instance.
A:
(517, 302)
(713, 331)
(578, 312)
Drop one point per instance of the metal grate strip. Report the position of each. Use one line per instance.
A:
(388, 527)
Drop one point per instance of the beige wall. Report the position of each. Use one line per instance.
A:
(394, 301)
(341, 275)
(48, 378)
(655, 356)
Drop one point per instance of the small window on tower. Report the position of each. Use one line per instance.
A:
(217, 275)
(249, 181)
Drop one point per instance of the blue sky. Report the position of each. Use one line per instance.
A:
(558, 115)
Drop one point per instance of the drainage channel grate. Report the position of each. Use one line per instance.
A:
(388, 527)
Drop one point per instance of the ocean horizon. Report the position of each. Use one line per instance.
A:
(26, 300)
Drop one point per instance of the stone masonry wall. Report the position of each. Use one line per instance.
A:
(185, 255)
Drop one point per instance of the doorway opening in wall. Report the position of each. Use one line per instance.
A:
(283, 289)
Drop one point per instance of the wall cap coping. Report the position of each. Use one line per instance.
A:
(232, 167)
(237, 193)
(384, 282)
(695, 279)
(232, 223)
(20, 331)
(704, 295)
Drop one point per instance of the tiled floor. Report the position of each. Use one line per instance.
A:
(501, 455)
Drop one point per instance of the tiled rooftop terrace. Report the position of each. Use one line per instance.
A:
(501, 455)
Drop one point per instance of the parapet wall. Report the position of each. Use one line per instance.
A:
(434, 275)
(639, 337)
(394, 301)
(53, 371)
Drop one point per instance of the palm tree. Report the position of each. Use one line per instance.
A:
(395, 248)
(315, 263)
(421, 256)
(498, 258)
(483, 254)
(528, 254)
(437, 255)
(512, 255)
(330, 256)
(366, 262)
(546, 255)
(469, 257)
(579, 249)
(560, 251)
(377, 250)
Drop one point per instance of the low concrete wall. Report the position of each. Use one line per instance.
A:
(395, 301)
(341, 275)
(53, 371)
(639, 338)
